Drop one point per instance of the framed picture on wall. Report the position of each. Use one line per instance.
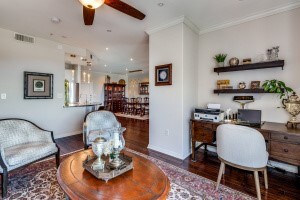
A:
(38, 85)
(255, 85)
(163, 75)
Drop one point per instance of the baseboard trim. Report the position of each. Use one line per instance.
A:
(166, 151)
(62, 135)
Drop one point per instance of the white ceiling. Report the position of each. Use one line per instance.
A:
(128, 38)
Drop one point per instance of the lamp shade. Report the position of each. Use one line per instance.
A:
(92, 4)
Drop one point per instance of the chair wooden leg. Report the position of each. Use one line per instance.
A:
(57, 158)
(224, 170)
(266, 178)
(222, 167)
(256, 178)
(4, 183)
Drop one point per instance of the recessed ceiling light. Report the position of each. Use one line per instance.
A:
(160, 4)
(105, 65)
(126, 69)
(131, 59)
(106, 48)
(55, 20)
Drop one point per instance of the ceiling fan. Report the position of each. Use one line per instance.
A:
(89, 7)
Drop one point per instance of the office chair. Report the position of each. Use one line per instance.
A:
(244, 148)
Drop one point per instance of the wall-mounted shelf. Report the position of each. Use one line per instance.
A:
(263, 65)
(236, 91)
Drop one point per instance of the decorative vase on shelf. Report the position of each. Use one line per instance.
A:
(221, 64)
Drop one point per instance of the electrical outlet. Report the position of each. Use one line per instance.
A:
(3, 96)
(167, 132)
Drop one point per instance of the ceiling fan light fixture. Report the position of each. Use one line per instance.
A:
(92, 4)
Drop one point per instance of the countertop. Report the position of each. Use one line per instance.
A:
(70, 105)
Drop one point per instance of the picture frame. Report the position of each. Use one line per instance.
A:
(38, 85)
(163, 75)
(255, 85)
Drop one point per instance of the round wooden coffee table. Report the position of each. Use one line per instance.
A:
(145, 181)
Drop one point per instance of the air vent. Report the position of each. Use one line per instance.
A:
(24, 38)
(134, 71)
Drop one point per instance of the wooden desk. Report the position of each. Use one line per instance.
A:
(283, 144)
(145, 181)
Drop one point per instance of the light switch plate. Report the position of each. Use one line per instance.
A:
(3, 96)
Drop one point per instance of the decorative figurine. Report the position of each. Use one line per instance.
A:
(242, 85)
(272, 54)
(234, 61)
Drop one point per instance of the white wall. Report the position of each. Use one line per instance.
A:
(170, 106)
(249, 40)
(43, 56)
(190, 82)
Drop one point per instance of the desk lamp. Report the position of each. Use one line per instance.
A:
(243, 100)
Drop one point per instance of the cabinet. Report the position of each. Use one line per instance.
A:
(113, 96)
(144, 88)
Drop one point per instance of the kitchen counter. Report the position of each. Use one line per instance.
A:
(71, 105)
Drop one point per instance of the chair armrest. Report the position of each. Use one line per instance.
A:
(43, 135)
(84, 132)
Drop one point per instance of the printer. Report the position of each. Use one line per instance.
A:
(212, 113)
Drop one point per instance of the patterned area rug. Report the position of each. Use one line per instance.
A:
(38, 181)
(145, 117)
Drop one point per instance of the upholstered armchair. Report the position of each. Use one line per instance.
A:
(22, 143)
(98, 123)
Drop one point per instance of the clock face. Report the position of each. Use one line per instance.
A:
(163, 75)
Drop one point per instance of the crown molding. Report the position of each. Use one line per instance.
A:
(174, 22)
(263, 14)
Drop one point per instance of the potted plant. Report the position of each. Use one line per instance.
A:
(291, 103)
(279, 87)
(220, 58)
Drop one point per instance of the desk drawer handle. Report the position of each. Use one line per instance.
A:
(285, 137)
(285, 150)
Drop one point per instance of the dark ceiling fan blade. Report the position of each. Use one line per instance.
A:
(125, 8)
(88, 16)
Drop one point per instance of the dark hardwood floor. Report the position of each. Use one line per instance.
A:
(281, 185)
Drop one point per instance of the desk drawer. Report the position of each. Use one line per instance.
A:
(285, 150)
(203, 135)
(285, 137)
(203, 125)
